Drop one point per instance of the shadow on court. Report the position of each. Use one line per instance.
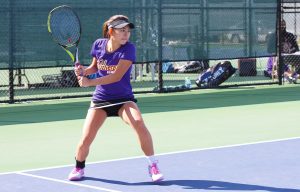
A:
(200, 184)
(153, 104)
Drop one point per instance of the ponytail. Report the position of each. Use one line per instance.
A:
(105, 30)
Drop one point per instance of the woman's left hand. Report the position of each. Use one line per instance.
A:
(84, 81)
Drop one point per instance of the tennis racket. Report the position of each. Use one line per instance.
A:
(64, 27)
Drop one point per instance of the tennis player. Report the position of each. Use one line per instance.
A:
(113, 57)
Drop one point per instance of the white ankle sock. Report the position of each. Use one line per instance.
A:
(151, 159)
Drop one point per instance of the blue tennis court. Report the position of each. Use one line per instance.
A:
(265, 166)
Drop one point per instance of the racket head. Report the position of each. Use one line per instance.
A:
(64, 26)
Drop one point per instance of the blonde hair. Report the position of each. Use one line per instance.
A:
(105, 30)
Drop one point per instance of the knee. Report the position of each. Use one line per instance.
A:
(139, 124)
(141, 128)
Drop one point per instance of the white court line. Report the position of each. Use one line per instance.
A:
(161, 154)
(69, 182)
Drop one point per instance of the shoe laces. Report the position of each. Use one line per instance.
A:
(154, 169)
(77, 170)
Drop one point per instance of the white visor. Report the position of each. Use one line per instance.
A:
(118, 24)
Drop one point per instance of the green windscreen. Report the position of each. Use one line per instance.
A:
(165, 29)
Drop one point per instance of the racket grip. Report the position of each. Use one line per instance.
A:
(77, 64)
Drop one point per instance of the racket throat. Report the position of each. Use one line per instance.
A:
(76, 56)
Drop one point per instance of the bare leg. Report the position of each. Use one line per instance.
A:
(131, 114)
(94, 119)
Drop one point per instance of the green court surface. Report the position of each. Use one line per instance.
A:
(44, 134)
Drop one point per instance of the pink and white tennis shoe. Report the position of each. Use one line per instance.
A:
(76, 174)
(155, 173)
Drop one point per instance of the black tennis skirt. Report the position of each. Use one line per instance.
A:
(111, 107)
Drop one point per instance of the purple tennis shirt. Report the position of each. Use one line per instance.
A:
(107, 63)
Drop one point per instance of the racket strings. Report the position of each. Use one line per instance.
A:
(65, 26)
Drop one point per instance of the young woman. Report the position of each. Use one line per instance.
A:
(112, 60)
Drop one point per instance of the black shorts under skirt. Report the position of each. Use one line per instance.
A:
(111, 107)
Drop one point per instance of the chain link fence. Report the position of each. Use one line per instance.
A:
(290, 53)
(168, 33)
(60, 82)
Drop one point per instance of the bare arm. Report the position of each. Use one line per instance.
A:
(122, 68)
(92, 68)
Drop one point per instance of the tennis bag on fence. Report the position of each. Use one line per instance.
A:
(216, 75)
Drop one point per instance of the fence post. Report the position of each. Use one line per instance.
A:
(11, 51)
(279, 42)
(160, 47)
